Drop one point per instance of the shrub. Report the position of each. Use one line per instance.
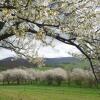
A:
(14, 75)
(78, 76)
(60, 75)
(89, 79)
(1, 77)
(31, 75)
(19, 75)
(6, 76)
(35, 75)
(49, 77)
(68, 77)
(57, 75)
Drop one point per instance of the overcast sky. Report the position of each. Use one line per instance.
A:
(59, 49)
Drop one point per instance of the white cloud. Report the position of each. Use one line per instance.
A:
(6, 53)
(59, 50)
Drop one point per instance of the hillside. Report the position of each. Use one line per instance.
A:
(13, 63)
(62, 60)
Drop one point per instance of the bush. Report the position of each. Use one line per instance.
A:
(31, 75)
(78, 76)
(19, 75)
(6, 76)
(49, 77)
(14, 75)
(1, 77)
(56, 75)
(89, 79)
(68, 77)
(60, 75)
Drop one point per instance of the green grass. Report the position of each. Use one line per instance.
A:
(30, 92)
(82, 64)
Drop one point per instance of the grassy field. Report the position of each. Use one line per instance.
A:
(82, 64)
(29, 92)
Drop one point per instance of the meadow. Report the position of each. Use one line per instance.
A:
(35, 92)
(42, 84)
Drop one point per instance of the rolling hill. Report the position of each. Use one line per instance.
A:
(20, 63)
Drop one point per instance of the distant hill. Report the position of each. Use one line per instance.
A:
(13, 63)
(62, 60)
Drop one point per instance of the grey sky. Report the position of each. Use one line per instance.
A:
(59, 50)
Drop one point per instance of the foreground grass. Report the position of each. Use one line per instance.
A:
(30, 92)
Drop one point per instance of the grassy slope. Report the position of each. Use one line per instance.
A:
(29, 92)
(81, 64)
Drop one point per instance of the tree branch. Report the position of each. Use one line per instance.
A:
(5, 36)
(7, 6)
(38, 24)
